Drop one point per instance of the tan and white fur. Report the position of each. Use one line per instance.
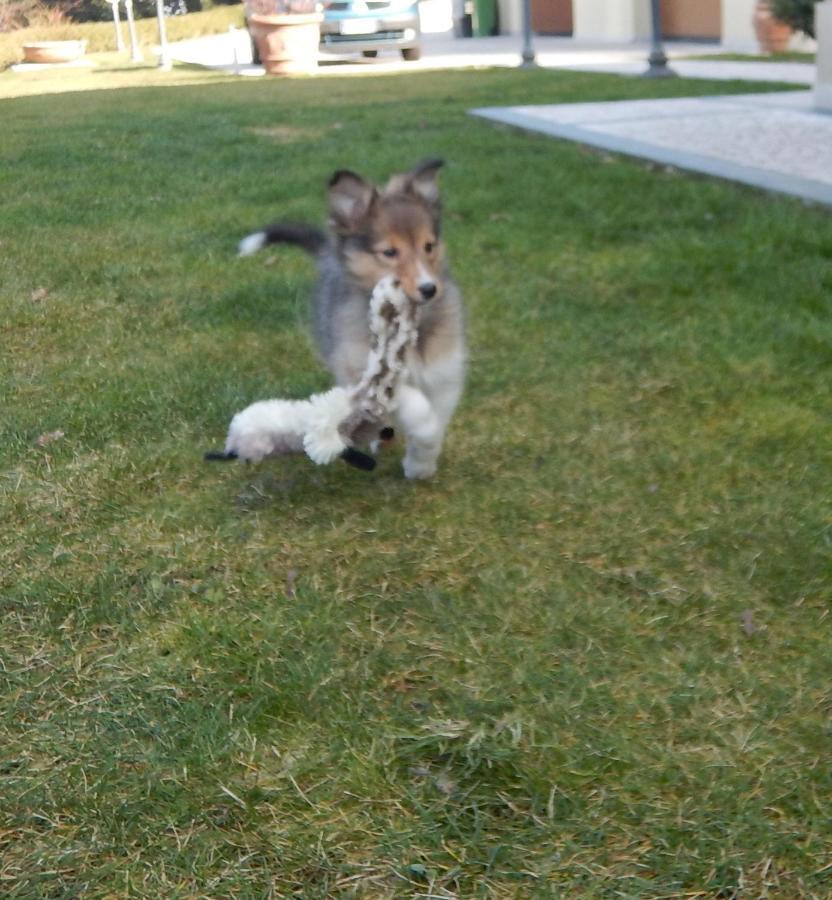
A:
(375, 232)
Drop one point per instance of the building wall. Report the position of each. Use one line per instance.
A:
(511, 16)
(436, 16)
(737, 29)
(621, 21)
(611, 20)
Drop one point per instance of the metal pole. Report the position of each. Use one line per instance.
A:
(658, 67)
(135, 52)
(528, 50)
(117, 25)
(164, 53)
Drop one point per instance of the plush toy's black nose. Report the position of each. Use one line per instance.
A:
(358, 459)
(427, 290)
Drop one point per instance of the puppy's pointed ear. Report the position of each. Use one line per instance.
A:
(423, 181)
(350, 201)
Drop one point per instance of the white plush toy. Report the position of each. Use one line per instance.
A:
(328, 425)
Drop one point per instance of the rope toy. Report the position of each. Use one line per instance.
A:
(328, 426)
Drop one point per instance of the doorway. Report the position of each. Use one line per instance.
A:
(552, 16)
(700, 20)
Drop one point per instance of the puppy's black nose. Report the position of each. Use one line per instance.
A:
(427, 290)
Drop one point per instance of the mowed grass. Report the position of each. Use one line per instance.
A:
(590, 659)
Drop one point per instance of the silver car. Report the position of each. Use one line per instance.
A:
(367, 26)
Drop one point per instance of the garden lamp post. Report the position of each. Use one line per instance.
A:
(135, 52)
(164, 53)
(658, 67)
(117, 26)
(528, 50)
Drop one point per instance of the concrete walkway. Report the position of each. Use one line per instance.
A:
(232, 52)
(774, 141)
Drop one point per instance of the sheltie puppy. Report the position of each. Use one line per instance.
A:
(373, 232)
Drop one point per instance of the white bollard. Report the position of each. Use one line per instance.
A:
(235, 61)
(164, 53)
(117, 25)
(135, 51)
(823, 78)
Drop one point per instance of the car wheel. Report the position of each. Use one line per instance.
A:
(411, 54)
(370, 54)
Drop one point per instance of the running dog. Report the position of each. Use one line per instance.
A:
(373, 232)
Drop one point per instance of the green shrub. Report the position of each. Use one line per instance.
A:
(16, 14)
(22, 13)
(800, 14)
(99, 35)
(102, 11)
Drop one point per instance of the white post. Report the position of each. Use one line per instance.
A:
(823, 79)
(164, 53)
(135, 52)
(117, 25)
(235, 59)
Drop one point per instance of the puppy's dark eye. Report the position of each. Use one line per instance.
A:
(390, 252)
(430, 246)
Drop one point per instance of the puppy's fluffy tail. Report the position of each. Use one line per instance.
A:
(307, 237)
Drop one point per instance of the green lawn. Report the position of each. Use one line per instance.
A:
(789, 56)
(590, 659)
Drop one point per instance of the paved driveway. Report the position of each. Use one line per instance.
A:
(774, 141)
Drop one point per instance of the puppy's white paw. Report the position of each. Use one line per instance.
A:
(418, 470)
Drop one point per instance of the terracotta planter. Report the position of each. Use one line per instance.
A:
(54, 51)
(772, 34)
(288, 44)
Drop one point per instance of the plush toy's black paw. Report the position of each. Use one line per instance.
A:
(220, 456)
(358, 459)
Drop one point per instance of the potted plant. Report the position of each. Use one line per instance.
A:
(53, 51)
(286, 34)
(773, 34)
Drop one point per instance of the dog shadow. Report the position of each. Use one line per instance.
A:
(292, 481)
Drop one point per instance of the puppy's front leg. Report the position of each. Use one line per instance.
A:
(423, 432)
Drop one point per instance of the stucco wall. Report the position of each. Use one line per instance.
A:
(620, 21)
(511, 16)
(737, 27)
(611, 20)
